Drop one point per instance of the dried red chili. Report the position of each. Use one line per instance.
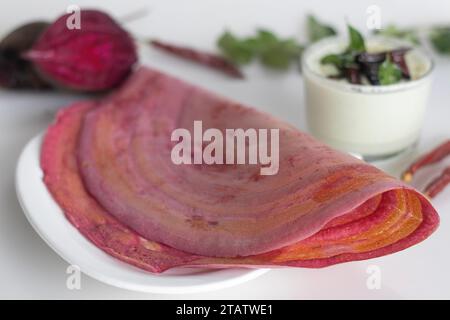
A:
(398, 57)
(370, 64)
(438, 184)
(214, 61)
(353, 75)
(431, 157)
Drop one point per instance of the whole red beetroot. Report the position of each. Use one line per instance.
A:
(16, 72)
(96, 57)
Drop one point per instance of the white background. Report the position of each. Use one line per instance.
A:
(30, 269)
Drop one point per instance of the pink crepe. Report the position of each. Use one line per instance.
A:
(108, 165)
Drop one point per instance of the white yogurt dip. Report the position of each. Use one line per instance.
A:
(372, 121)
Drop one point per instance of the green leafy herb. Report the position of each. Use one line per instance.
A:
(355, 62)
(347, 58)
(394, 32)
(440, 38)
(389, 73)
(318, 30)
(339, 60)
(356, 40)
(281, 54)
(272, 51)
(264, 38)
(238, 51)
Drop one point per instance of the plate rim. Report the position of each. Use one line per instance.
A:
(243, 275)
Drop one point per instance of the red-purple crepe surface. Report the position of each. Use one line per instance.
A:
(108, 165)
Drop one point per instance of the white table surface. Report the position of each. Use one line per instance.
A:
(30, 269)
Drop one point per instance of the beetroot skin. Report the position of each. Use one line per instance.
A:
(96, 57)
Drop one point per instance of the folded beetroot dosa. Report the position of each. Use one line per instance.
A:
(108, 165)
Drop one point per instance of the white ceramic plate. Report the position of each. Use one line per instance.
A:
(50, 223)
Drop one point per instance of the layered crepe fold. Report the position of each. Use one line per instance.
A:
(108, 165)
